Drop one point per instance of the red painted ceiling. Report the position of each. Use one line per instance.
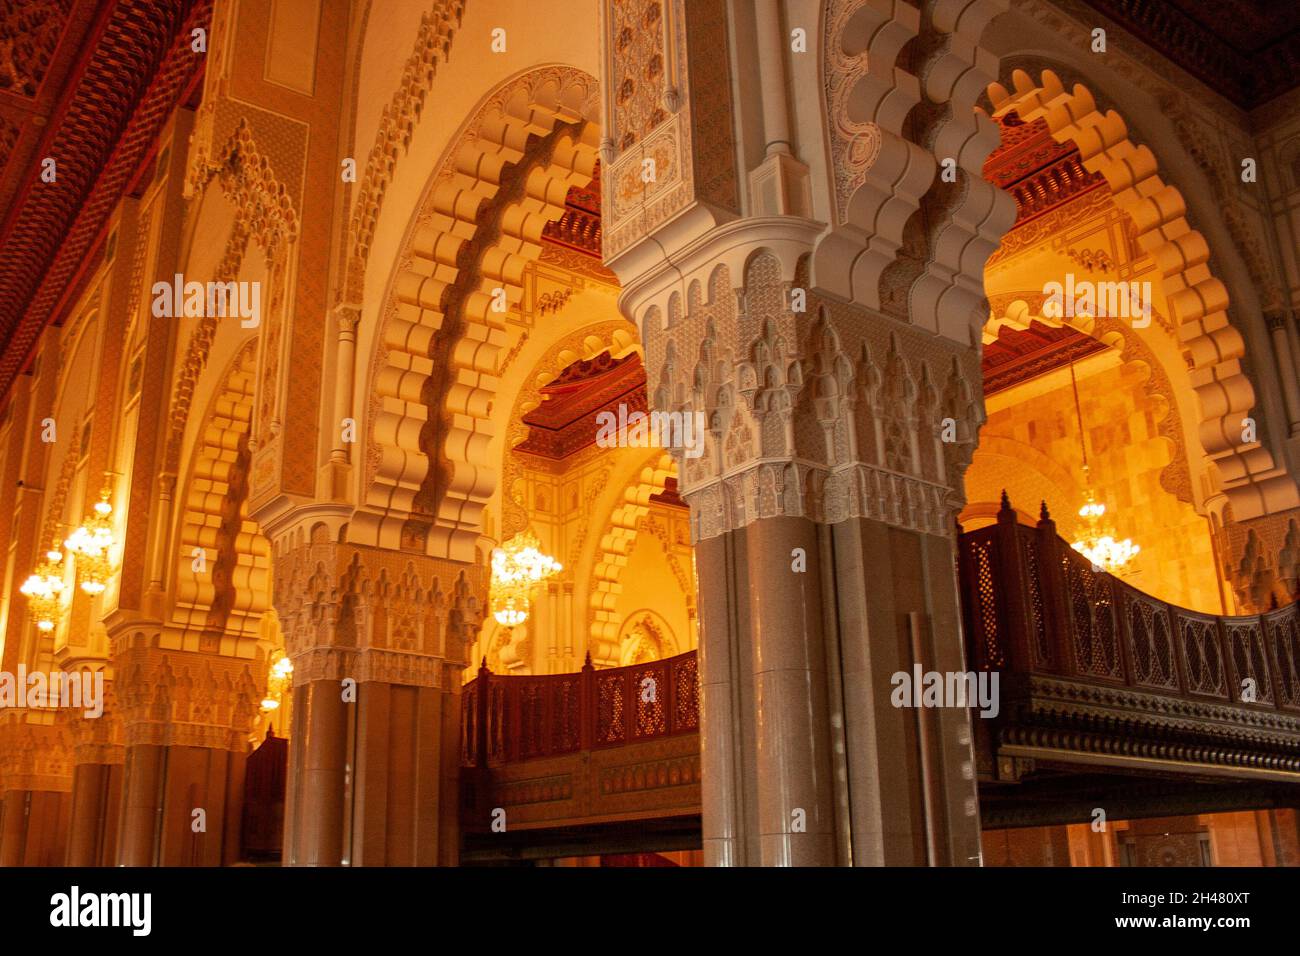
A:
(89, 85)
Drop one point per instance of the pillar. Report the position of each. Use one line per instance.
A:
(833, 367)
(34, 786)
(97, 772)
(379, 641)
(186, 719)
(1277, 326)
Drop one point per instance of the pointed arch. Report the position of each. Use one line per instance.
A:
(612, 554)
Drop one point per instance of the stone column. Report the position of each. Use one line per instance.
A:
(98, 758)
(34, 785)
(186, 719)
(833, 364)
(1286, 366)
(379, 641)
(822, 512)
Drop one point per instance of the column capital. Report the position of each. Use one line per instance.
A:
(348, 610)
(347, 317)
(804, 406)
(172, 696)
(34, 751)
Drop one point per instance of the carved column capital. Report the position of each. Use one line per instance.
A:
(347, 610)
(804, 406)
(34, 751)
(96, 739)
(169, 696)
(346, 319)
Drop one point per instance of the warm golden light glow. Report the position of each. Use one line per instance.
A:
(44, 591)
(91, 546)
(518, 566)
(1098, 543)
(278, 680)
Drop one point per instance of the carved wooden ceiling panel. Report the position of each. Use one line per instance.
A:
(1249, 50)
(90, 86)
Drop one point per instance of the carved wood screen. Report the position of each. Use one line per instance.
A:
(1033, 605)
(507, 719)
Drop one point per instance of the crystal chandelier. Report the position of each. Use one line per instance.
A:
(518, 566)
(44, 590)
(1098, 542)
(277, 682)
(91, 545)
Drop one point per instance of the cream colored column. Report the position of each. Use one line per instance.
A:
(792, 722)
(822, 507)
(374, 757)
(726, 694)
(346, 317)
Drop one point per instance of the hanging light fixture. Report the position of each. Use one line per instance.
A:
(1098, 542)
(518, 566)
(91, 545)
(44, 590)
(277, 682)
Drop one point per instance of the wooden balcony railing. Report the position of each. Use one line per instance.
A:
(1035, 606)
(509, 719)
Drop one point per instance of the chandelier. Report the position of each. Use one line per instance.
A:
(518, 566)
(44, 590)
(277, 682)
(91, 544)
(1098, 542)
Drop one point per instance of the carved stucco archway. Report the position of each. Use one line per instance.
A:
(1197, 299)
(428, 473)
(613, 550)
(230, 590)
(900, 94)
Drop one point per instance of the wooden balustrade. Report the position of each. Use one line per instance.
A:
(509, 719)
(1034, 605)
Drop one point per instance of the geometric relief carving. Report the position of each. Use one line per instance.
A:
(800, 419)
(1150, 643)
(1199, 640)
